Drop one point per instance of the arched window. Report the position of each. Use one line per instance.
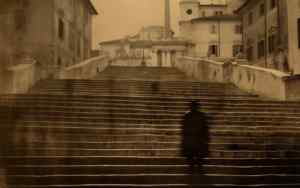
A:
(59, 62)
(61, 29)
(213, 29)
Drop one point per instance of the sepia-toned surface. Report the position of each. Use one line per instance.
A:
(189, 93)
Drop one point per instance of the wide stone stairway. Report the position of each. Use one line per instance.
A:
(122, 129)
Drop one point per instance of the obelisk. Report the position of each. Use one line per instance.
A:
(168, 30)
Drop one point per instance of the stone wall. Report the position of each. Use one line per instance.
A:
(133, 62)
(268, 83)
(292, 88)
(261, 81)
(17, 79)
(204, 70)
(86, 69)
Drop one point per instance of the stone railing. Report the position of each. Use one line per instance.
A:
(133, 62)
(204, 70)
(264, 82)
(292, 89)
(18, 79)
(86, 69)
(257, 80)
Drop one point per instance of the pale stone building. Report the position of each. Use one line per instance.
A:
(155, 45)
(271, 33)
(212, 26)
(154, 32)
(148, 44)
(56, 33)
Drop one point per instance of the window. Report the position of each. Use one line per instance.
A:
(273, 4)
(272, 43)
(299, 33)
(250, 53)
(59, 62)
(71, 41)
(79, 47)
(237, 49)
(213, 50)
(189, 11)
(262, 9)
(20, 20)
(250, 18)
(213, 29)
(218, 13)
(238, 29)
(261, 49)
(61, 29)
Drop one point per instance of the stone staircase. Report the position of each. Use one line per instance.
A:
(121, 132)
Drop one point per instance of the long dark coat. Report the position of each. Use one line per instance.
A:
(195, 135)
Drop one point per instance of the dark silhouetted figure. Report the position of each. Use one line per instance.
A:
(195, 137)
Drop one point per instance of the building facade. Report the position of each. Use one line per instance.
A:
(212, 26)
(55, 33)
(154, 32)
(272, 33)
(147, 45)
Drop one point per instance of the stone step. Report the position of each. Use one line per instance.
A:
(133, 110)
(148, 169)
(90, 125)
(153, 179)
(137, 82)
(147, 106)
(214, 129)
(141, 99)
(65, 137)
(289, 153)
(148, 118)
(139, 160)
(154, 145)
(138, 108)
(119, 91)
(244, 125)
(295, 185)
(146, 94)
(142, 105)
(136, 131)
(139, 86)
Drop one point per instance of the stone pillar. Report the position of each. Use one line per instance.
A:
(168, 63)
(159, 59)
(168, 30)
(164, 58)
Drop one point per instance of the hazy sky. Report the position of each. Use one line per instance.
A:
(118, 18)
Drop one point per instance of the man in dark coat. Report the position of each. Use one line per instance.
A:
(195, 136)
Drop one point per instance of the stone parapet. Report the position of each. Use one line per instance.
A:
(18, 79)
(265, 82)
(204, 70)
(86, 69)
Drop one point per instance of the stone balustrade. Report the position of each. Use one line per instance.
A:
(86, 69)
(257, 80)
(204, 70)
(18, 79)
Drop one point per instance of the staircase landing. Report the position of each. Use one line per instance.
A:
(142, 73)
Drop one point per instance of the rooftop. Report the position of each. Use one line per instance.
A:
(246, 2)
(92, 7)
(224, 17)
(207, 2)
